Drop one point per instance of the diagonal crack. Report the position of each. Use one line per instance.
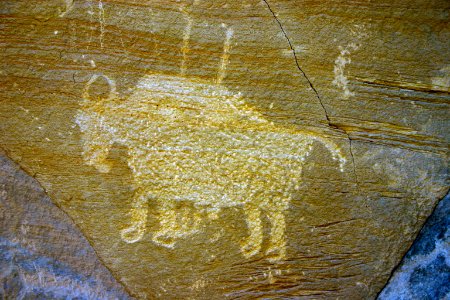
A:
(330, 124)
(298, 64)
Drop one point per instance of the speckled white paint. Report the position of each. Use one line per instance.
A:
(194, 141)
(340, 78)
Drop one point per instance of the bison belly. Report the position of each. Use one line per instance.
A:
(218, 169)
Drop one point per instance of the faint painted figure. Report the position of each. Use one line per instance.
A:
(193, 140)
(340, 77)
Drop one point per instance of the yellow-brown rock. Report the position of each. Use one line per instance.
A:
(233, 149)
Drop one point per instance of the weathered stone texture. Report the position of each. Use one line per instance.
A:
(43, 255)
(424, 272)
(358, 83)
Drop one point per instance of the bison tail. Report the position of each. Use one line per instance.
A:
(335, 152)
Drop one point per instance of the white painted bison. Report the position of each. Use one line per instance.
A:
(192, 140)
(188, 140)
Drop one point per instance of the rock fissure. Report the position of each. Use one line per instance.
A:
(330, 124)
(297, 63)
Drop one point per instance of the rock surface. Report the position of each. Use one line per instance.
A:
(167, 131)
(424, 273)
(42, 253)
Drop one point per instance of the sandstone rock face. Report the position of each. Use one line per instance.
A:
(233, 149)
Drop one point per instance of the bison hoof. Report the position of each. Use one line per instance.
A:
(275, 254)
(250, 249)
(164, 240)
(132, 234)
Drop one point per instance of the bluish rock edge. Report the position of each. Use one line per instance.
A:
(31, 276)
(43, 255)
(424, 272)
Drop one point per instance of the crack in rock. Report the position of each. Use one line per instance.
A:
(297, 63)
(330, 124)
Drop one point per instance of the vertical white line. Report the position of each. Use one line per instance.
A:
(186, 36)
(101, 15)
(185, 48)
(225, 55)
(69, 6)
(91, 21)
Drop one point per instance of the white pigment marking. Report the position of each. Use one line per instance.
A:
(101, 16)
(442, 82)
(225, 55)
(216, 153)
(340, 79)
(69, 6)
(185, 47)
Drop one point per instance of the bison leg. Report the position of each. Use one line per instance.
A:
(165, 236)
(252, 244)
(138, 213)
(277, 246)
(189, 218)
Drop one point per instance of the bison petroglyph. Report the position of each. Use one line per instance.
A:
(193, 140)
